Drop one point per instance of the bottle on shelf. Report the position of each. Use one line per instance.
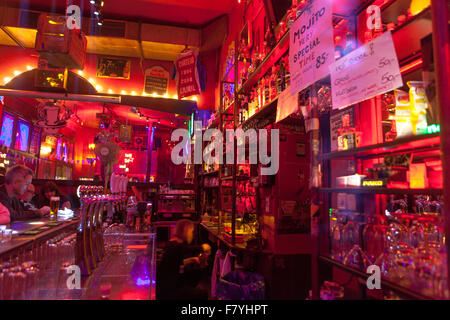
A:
(281, 77)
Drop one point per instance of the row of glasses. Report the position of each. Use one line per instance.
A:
(38, 272)
(409, 248)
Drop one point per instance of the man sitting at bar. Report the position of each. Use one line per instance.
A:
(28, 203)
(17, 179)
(180, 269)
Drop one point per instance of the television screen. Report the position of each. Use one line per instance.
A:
(22, 136)
(7, 130)
(35, 137)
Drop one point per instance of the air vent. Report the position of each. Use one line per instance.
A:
(29, 19)
(110, 29)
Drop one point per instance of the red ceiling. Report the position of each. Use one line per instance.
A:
(179, 12)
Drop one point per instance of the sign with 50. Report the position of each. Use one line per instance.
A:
(365, 72)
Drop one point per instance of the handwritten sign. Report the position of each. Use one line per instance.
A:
(156, 80)
(188, 79)
(365, 72)
(287, 104)
(311, 45)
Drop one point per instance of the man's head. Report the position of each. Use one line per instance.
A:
(17, 179)
(29, 193)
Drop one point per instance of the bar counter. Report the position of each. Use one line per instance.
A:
(19, 239)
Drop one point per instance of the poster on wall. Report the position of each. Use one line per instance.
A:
(156, 80)
(188, 78)
(368, 71)
(115, 68)
(311, 48)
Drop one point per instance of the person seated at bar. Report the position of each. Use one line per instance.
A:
(4, 215)
(50, 189)
(17, 179)
(29, 199)
(180, 269)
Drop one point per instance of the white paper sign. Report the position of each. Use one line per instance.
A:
(311, 48)
(287, 104)
(365, 72)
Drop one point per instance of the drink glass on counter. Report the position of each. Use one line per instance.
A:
(54, 207)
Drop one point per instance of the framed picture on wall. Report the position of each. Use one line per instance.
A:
(115, 68)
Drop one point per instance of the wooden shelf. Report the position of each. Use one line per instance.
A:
(381, 191)
(274, 55)
(404, 144)
(384, 282)
(212, 173)
(263, 113)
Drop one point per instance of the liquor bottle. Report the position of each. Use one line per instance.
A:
(348, 136)
(349, 43)
(281, 77)
(269, 39)
(273, 83)
(256, 58)
(259, 95)
(266, 89)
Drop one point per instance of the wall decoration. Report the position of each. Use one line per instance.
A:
(188, 77)
(115, 68)
(156, 80)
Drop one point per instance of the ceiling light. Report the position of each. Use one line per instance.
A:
(133, 93)
(99, 88)
(110, 91)
(92, 1)
(100, 22)
(80, 72)
(6, 79)
(123, 92)
(16, 72)
(29, 67)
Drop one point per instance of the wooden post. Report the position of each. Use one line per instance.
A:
(441, 51)
(149, 152)
(235, 112)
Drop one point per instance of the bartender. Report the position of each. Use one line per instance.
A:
(181, 266)
(17, 180)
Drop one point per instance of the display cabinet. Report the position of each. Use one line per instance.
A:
(381, 191)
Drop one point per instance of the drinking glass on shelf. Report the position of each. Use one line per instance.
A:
(337, 239)
(416, 235)
(350, 237)
(373, 239)
(31, 271)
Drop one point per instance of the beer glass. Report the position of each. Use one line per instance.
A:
(54, 207)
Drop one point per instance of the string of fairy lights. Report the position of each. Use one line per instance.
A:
(99, 87)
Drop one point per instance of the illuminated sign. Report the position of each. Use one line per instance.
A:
(373, 183)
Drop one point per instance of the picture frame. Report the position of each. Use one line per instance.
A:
(113, 68)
